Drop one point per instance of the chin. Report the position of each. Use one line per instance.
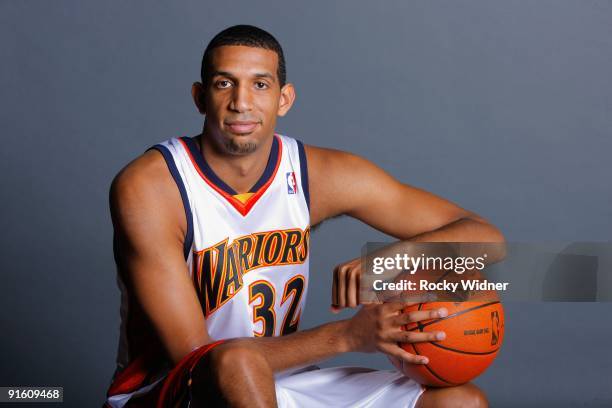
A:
(240, 144)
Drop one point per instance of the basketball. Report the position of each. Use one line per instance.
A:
(474, 334)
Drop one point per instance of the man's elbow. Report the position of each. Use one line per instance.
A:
(489, 233)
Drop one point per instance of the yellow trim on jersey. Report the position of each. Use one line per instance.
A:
(244, 197)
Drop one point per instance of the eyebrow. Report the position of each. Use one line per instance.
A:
(257, 75)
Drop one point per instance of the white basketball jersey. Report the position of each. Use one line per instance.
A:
(248, 255)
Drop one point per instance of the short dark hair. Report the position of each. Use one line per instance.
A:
(249, 36)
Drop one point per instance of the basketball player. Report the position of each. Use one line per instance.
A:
(212, 240)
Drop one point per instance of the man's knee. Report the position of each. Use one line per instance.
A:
(463, 396)
(228, 372)
(473, 397)
(235, 357)
(231, 362)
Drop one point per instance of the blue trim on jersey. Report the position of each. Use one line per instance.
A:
(179, 182)
(304, 171)
(205, 168)
(210, 174)
(269, 171)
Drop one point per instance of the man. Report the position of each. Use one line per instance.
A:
(211, 243)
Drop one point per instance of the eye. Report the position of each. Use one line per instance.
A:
(261, 85)
(224, 83)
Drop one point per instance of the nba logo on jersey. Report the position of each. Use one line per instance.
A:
(291, 183)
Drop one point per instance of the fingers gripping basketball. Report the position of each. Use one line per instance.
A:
(474, 335)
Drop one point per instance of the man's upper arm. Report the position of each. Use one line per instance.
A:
(146, 209)
(342, 183)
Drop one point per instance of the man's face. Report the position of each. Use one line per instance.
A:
(242, 98)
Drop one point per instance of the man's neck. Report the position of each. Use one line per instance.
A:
(240, 172)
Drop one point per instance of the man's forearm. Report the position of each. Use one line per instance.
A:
(459, 238)
(303, 347)
(468, 229)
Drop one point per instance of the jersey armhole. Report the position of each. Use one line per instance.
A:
(181, 186)
(304, 172)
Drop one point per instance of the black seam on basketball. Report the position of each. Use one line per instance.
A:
(430, 370)
(484, 353)
(450, 316)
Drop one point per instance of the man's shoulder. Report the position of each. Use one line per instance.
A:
(334, 178)
(144, 177)
(330, 162)
(142, 172)
(320, 151)
(318, 155)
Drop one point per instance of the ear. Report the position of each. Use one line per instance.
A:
(197, 92)
(287, 96)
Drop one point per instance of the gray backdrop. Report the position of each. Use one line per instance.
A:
(502, 107)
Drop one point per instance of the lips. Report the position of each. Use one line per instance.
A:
(241, 127)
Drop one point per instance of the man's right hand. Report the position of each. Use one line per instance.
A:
(379, 327)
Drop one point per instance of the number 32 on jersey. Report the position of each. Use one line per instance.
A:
(262, 297)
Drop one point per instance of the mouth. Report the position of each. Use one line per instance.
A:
(241, 127)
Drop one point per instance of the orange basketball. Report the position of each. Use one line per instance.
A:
(474, 335)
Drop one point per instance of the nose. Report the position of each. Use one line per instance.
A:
(241, 100)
